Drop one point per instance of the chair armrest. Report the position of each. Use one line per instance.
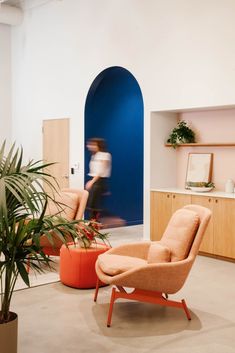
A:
(163, 277)
(139, 250)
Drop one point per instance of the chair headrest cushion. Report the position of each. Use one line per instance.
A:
(180, 232)
(158, 253)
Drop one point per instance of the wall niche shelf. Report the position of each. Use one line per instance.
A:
(168, 168)
(203, 144)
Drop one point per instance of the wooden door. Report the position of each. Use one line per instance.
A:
(56, 149)
(179, 201)
(207, 244)
(224, 227)
(161, 210)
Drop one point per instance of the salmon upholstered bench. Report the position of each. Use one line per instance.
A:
(77, 265)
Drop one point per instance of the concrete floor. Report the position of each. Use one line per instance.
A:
(55, 318)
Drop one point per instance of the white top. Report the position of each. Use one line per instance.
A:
(100, 164)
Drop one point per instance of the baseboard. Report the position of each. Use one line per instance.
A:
(134, 223)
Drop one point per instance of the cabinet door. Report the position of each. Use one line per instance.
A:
(161, 211)
(179, 201)
(207, 244)
(224, 227)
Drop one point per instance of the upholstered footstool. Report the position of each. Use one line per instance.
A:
(77, 265)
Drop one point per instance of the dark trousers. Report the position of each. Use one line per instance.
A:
(94, 203)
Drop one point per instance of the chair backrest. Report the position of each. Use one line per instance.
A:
(73, 203)
(82, 196)
(66, 207)
(204, 216)
(182, 236)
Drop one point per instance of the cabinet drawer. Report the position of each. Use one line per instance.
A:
(163, 205)
(207, 244)
(219, 238)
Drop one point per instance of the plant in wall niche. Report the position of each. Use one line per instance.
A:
(200, 184)
(181, 134)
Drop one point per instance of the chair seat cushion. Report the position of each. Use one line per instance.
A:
(180, 233)
(158, 253)
(112, 264)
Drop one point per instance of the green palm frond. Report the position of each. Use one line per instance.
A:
(23, 221)
(23, 203)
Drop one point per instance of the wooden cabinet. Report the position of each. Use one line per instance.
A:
(224, 227)
(163, 205)
(207, 244)
(179, 201)
(160, 213)
(219, 239)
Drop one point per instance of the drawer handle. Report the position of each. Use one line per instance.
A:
(168, 196)
(173, 196)
(216, 201)
(209, 200)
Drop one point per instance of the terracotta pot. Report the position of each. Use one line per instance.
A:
(8, 335)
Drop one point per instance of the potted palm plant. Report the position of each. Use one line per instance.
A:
(23, 203)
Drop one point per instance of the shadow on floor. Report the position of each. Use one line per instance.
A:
(134, 319)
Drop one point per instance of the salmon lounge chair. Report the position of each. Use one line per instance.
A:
(154, 268)
(73, 204)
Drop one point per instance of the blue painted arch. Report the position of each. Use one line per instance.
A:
(114, 111)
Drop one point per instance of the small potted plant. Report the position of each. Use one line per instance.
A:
(89, 232)
(23, 221)
(200, 186)
(181, 134)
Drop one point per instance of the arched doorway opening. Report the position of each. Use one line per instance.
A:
(114, 111)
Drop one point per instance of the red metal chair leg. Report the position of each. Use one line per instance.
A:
(113, 297)
(97, 289)
(186, 309)
(145, 296)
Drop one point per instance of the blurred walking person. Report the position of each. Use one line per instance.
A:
(99, 170)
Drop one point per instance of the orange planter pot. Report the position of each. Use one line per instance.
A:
(77, 265)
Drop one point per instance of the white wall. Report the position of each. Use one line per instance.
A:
(5, 83)
(163, 161)
(182, 52)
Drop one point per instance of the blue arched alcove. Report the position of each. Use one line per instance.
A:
(114, 111)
